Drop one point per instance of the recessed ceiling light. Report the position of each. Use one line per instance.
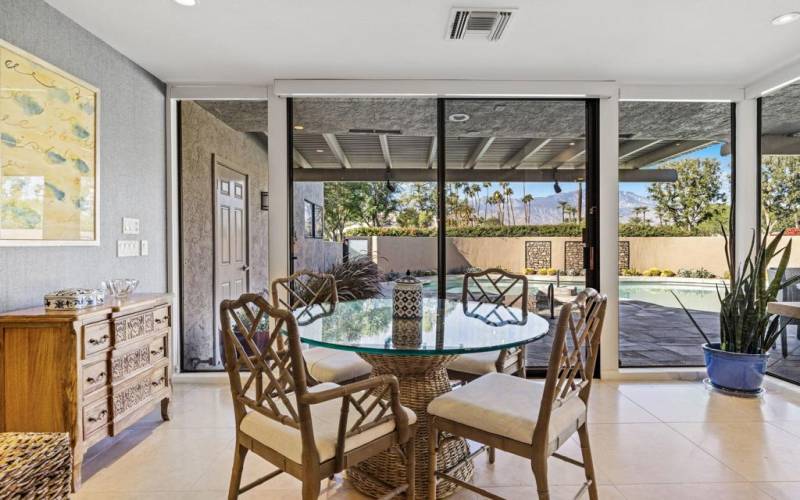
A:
(787, 18)
(320, 151)
(458, 117)
(299, 127)
(186, 3)
(571, 143)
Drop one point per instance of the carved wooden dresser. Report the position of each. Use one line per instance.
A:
(91, 373)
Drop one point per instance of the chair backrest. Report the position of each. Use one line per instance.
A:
(790, 293)
(306, 293)
(496, 286)
(274, 372)
(573, 357)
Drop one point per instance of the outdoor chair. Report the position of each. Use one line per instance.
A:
(311, 295)
(529, 418)
(308, 431)
(494, 287)
(788, 294)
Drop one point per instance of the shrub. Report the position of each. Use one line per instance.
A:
(552, 271)
(357, 278)
(529, 270)
(631, 272)
(653, 271)
(666, 273)
(695, 273)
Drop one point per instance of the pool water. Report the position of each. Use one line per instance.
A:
(700, 296)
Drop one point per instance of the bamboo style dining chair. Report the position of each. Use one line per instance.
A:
(308, 431)
(498, 288)
(311, 295)
(529, 418)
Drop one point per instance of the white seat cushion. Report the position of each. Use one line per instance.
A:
(508, 406)
(480, 363)
(325, 417)
(334, 365)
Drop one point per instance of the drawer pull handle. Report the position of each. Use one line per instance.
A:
(100, 416)
(101, 340)
(158, 320)
(158, 382)
(100, 376)
(160, 350)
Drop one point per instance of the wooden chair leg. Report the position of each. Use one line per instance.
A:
(311, 488)
(539, 466)
(588, 465)
(433, 439)
(236, 474)
(411, 466)
(491, 454)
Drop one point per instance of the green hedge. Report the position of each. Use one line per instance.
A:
(567, 230)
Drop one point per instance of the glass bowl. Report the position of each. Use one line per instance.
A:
(122, 287)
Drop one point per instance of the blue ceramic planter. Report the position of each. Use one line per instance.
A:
(735, 371)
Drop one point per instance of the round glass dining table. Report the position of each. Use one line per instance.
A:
(417, 352)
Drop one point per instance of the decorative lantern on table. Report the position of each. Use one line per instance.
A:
(407, 298)
(406, 333)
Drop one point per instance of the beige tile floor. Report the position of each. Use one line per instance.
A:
(651, 440)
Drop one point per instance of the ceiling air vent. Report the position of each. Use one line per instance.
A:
(478, 24)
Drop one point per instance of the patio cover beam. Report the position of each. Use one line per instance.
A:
(478, 152)
(387, 156)
(337, 150)
(631, 147)
(566, 155)
(780, 145)
(669, 151)
(530, 148)
(299, 159)
(432, 152)
(473, 175)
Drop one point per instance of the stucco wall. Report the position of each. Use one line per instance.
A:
(311, 253)
(132, 162)
(401, 253)
(202, 137)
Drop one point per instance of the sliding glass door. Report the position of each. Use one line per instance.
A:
(780, 208)
(439, 187)
(515, 196)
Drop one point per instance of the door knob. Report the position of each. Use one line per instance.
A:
(245, 268)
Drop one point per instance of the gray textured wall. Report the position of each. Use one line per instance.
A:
(132, 162)
(311, 253)
(203, 136)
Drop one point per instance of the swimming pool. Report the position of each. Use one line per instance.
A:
(695, 294)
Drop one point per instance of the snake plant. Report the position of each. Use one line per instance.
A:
(745, 325)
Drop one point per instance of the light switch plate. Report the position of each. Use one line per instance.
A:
(130, 225)
(145, 247)
(127, 248)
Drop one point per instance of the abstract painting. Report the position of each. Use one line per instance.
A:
(48, 153)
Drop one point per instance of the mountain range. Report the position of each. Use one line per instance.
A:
(547, 210)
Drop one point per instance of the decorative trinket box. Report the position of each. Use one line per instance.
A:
(73, 298)
(407, 298)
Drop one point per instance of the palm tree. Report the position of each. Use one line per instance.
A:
(563, 205)
(486, 186)
(527, 201)
(498, 200)
(507, 193)
(580, 200)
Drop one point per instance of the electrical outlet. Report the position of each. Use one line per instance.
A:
(130, 225)
(145, 248)
(127, 248)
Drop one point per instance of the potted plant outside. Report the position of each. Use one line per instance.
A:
(738, 362)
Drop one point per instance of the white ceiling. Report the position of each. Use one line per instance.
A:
(630, 41)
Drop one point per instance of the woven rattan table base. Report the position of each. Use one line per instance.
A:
(422, 378)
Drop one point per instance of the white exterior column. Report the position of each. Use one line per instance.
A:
(609, 233)
(278, 230)
(747, 165)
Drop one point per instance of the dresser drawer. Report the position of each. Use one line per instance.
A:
(161, 318)
(96, 338)
(95, 376)
(95, 416)
(158, 349)
(134, 327)
(137, 392)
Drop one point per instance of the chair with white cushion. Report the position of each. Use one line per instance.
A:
(308, 431)
(507, 296)
(526, 417)
(311, 295)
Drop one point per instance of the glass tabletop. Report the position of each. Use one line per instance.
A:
(446, 327)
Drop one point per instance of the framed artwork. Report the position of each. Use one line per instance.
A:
(48, 154)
